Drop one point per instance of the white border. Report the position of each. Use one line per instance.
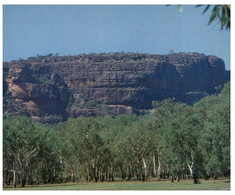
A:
(124, 2)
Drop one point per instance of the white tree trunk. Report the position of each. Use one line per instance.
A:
(159, 169)
(14, 178)
(145, 168)
(154, 166)
(190, 165)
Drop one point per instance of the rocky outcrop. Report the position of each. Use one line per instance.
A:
(52, 88)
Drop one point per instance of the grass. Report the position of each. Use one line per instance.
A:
(134, 185)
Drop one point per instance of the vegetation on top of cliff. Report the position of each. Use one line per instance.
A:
(62, 86)
(97, 57)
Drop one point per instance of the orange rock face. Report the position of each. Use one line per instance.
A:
(53, 88)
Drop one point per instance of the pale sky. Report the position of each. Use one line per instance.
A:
(76, 29)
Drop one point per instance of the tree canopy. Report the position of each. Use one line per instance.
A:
(177, 141)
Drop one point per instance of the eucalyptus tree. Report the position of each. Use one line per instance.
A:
(21, 146)
(164, 112)
(50, 156)
(219, 13)
(141, 143)
(122, 154)
(215, 140)
(87, 144)
(179, 130)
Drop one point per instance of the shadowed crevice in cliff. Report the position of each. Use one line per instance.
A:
(42, 96)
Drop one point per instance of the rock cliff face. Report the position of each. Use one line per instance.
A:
(52, 88)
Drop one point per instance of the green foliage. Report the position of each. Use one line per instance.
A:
(215, 139)
(22, 144)
(221, 13)
(176, 141)
(42, 78)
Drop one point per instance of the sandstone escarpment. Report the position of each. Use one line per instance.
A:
(52, 88)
